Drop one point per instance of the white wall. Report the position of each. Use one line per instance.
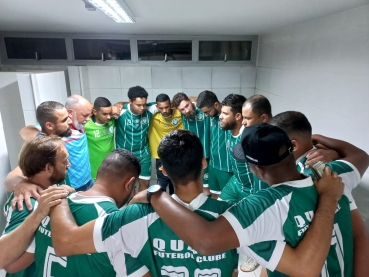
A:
(113, 82)
(321, 68)
(4, 169)
(12, 114)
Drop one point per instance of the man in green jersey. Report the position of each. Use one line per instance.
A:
(137, 230)
(266, 224)
(100, 133)
(240, 184)
(132, 130)
(255, 110)
(220, 169)
(195, 121)
(44, 161)
(112, 189)
(299, 130)
(112, 232)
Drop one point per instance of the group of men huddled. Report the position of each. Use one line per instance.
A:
(239, 181)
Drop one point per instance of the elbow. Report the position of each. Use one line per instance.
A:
(10, 269)
(205, 247)
(61, 246)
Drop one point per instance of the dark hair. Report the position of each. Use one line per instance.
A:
(137, 92)
(37, 153)
(118, 164)
(178, 98)
(292, 123)
(206, 98)
(162, 98)
(235, 101)
(181, 154)
(260, 105)
(46, 112)
(101, 102)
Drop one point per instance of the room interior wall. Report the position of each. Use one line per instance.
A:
(321, 68)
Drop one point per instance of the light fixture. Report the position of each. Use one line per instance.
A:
(115, 9)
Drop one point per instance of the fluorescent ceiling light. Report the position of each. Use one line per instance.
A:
(114, 10)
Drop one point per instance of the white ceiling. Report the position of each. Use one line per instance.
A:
(178, 17)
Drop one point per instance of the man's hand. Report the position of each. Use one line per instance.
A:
(24, 191)
(140, 197)
(49, 198)
(330, 185)
(68, 188)
(116, 109)
(321, 155)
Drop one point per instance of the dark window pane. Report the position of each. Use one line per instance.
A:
(92, 49)
(176, 50)
(46, 48)
(229, 50)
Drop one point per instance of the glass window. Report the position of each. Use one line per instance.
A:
(159, 50)
(225, 50)
(36, 48)
(101, 49)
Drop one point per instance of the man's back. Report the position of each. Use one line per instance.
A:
(139, 231)
(294, 203)
(84, 209)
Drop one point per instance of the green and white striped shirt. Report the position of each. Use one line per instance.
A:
(137, 230)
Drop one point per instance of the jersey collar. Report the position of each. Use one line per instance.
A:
(306, 182)
(194, 204)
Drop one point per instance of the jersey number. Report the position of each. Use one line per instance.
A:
(181, 271)
(52, 258)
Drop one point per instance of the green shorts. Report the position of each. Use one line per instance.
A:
(218, 179)
(234, 191)
(145, 161)
(205, 176)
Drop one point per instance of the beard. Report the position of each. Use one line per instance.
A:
(78, 126)
(229, 125)
(190, 114)
(66, 133)
(57, 178)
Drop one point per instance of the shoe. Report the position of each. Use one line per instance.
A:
(249, 265)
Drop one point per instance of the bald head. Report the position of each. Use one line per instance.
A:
(79, 110)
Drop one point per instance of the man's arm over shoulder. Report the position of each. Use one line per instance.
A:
(13, 178)
(21, 226)
(347, 152)
(69, 239)
(29, 132)
(94, 236)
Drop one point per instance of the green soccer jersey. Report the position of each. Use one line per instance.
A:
(14, 218)
(219, 156)
(100, 141)
(266, 221)
(84, 209)
(138, 231)
(132, 130)
(200, 126)
(240, 170)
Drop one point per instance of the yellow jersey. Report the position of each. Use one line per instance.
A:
(161, 126)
